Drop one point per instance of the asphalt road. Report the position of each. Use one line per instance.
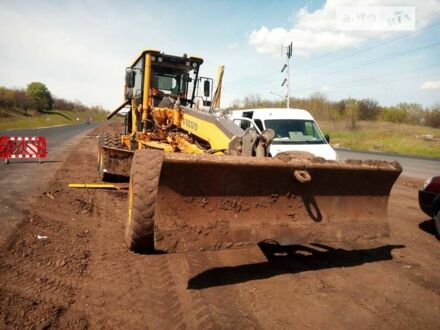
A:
(22, 179)
(418, 167)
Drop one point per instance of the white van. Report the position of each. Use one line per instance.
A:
(295, 130)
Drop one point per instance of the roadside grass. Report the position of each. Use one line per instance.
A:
(11, 120)
(384, 137)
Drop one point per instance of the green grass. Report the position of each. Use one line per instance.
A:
(35, 120)
(384, 137)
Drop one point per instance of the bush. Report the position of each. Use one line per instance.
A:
(432, 117)
(40, 96)
(37, 97)
(350, 109)
(394, 115)
(368, 109)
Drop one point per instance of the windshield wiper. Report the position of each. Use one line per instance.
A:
(298, 142)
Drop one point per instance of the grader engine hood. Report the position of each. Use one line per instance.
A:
(207, 202)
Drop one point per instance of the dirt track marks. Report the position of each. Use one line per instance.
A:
(138, 289)
(222, 304)
(165, 298)
(51, 289)
(40, 277)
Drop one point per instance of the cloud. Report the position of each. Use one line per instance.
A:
(431, 85)
(316, 31)
(77, 51)
(305, 41)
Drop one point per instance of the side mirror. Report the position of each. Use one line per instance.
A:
(327, 137)
(130, 76)
(206, 88)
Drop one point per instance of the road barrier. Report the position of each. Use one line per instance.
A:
(22, 147)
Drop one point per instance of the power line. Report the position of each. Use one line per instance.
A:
(235, 82)
(399, 79)
(357, 82)
(349, 68)
(365, 41)
(373, 62)
(341, 58)
(286, 82)
(393, 80)
(253, 90)
(435, 44)
(377, 46)
(247, 86)
(348, 83)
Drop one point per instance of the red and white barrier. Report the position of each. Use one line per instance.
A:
(19, 147)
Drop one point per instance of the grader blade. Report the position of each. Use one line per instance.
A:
(207, 202)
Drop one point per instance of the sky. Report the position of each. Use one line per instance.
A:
(80, 49)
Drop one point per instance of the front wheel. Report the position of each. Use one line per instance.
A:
(144, 180)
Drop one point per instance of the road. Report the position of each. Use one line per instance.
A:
(418, 167)
(22, 179)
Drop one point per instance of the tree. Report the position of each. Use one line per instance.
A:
(413, 112)
(252, 101)
(40, 96)
(352, 108)
(22, 101)
(368, 109)
(432, 116)
(317, 102)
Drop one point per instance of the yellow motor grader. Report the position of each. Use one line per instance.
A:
(198, 181)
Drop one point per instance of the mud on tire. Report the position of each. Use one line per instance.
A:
(144, 180)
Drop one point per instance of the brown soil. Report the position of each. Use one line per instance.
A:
(82, 275)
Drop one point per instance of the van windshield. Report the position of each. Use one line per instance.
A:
(295, 131)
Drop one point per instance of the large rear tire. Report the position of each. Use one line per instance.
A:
(144, 181)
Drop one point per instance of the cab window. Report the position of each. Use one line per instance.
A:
(137, 90)
(167, 83)
(244, 124)
(259, 124)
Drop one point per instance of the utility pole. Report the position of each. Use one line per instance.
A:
(286, 80)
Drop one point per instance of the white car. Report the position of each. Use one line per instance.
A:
(295, 130)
